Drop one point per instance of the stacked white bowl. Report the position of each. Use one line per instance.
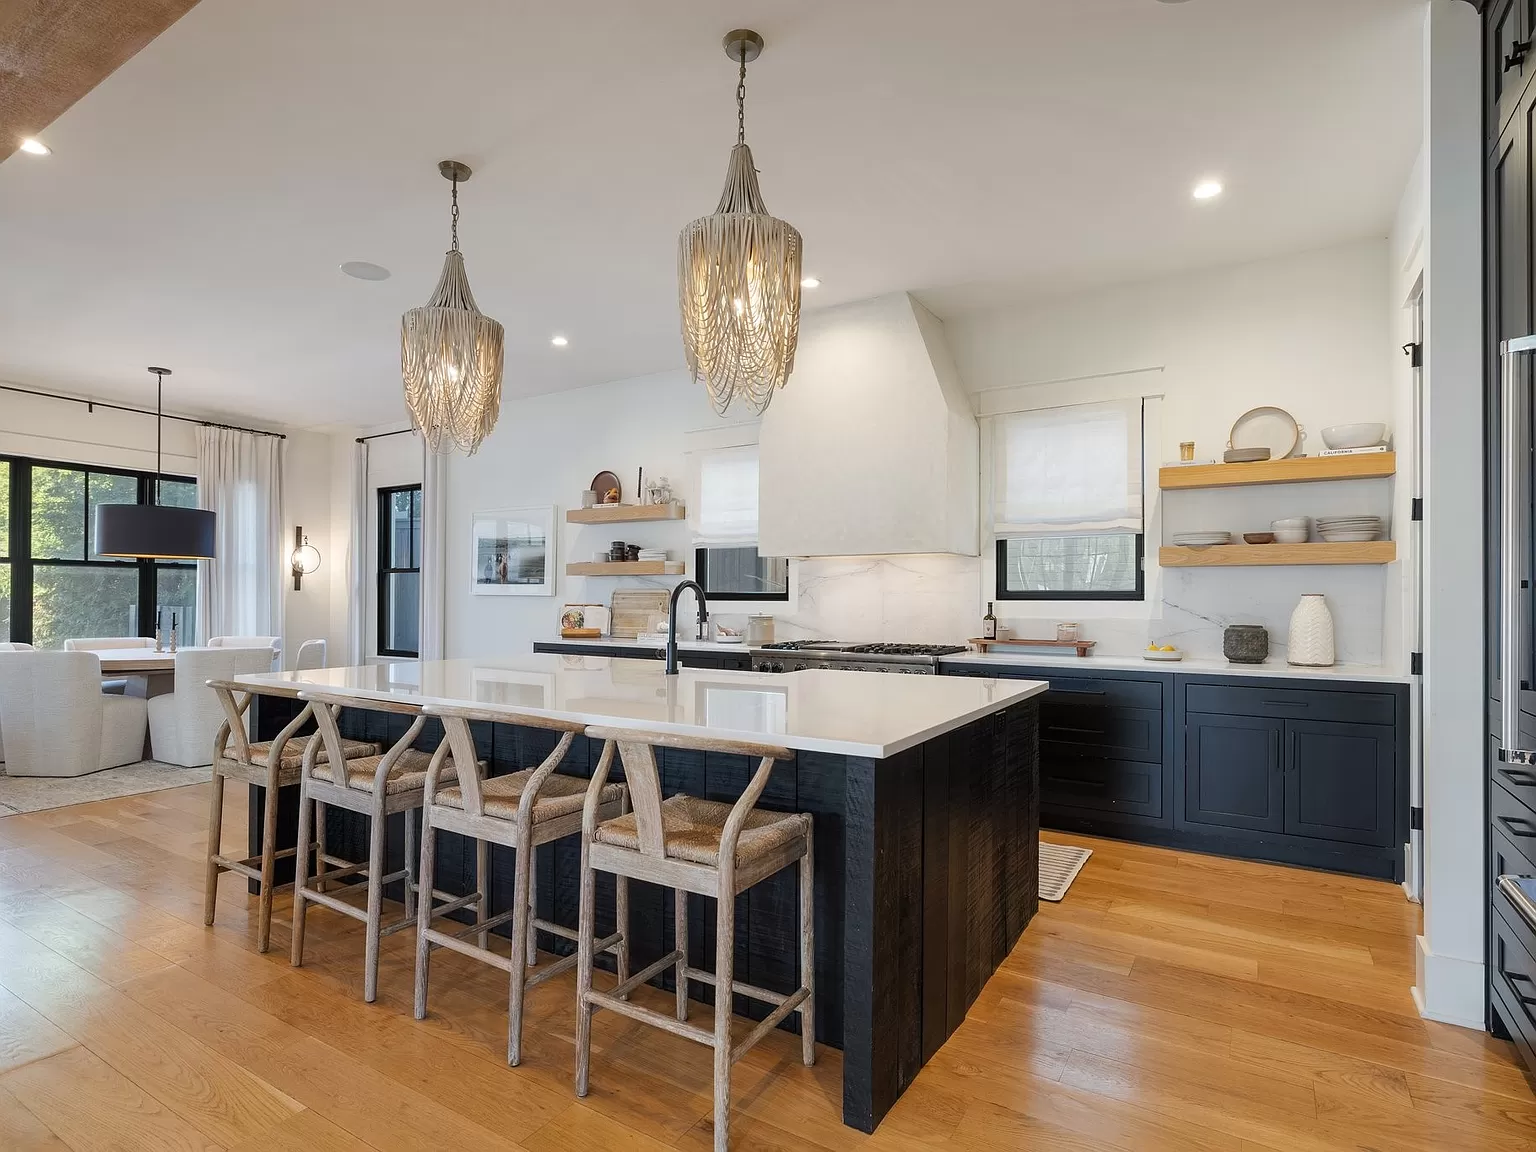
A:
(1292, 530)
(1349, 529)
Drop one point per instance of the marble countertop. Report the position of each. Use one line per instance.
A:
(816, 710)
(1189, 666)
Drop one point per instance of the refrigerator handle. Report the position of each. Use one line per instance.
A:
(1514, 493)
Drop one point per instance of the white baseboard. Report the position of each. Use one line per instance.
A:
(1449, 989)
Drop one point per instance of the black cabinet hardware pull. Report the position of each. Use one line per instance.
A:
(1516, 56)
(1513, 978)
(1077, 691)
(1510, 822)
(1519, 776)
(1067, 783)
(1078, 731)
(1286, 704)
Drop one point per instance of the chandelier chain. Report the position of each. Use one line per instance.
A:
(455, 213)
(741, 99)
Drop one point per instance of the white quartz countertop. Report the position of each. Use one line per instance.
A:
(817, 710)
(1189, 666)
(607, 643)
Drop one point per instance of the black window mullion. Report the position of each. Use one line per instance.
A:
(21, 551)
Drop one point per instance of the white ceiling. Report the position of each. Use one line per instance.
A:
(198, 203)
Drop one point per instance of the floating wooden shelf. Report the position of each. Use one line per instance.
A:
(1083, 647)
(1302, 470)
(1252, 555)
(625, 513)
(628, 568)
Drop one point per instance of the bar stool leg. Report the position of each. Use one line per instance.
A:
(586, 940)
(320, 882)
(621, 924)
(680, 942)
(412, 887)
(424, 914)
(519, 977)
(725, 947)
(483, 884)
(378, 823)
(268, 866)
(300, 878)
(215, 840)
(533, 907)
(808, 954)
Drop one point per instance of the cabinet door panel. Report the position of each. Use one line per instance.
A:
(1129, 733)
(1505, 27)
(1232, 772)
(1100, 784)
(1340, 781)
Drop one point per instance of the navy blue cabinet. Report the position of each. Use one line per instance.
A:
(1233, 772)
(1304, 771)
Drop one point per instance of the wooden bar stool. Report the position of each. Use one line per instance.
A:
(701, 846)
(271, 765)
(519, 811)
(376, 787)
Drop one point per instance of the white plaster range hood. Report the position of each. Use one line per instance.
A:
(871, 448)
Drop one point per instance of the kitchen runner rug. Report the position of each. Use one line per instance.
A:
(1059, 866)
(39, 793)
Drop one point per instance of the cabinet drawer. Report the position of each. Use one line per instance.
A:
(1516, 823)
(1514, 969)
(1293, 703)
(1067, 726)
(1100, 784)
(1516, 779)
(1103, 691)
(1507, 857)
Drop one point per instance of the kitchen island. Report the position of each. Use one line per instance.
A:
(924, 792)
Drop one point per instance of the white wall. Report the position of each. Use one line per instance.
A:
(1309, 332)
(393, 462)
(68, 432)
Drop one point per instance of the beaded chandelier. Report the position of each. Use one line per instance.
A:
(738, 277)
(451, 353)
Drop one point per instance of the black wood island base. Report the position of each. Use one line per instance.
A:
(926, 874)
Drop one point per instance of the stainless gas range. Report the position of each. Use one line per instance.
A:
(793, 655)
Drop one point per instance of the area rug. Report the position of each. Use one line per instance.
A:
(1059, 866)
(38, 793)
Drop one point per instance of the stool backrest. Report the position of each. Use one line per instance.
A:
(456, 733)
(328, 706)
(235, 699)
(638, 751)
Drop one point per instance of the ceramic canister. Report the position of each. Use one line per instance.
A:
(1311, 642)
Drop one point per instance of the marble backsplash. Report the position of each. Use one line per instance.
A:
(939, 599)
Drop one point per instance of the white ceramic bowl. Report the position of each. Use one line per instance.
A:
(1354, 435)
(1291, 522)
(1290, 535)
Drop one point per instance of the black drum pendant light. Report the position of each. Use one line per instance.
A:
(153, 531)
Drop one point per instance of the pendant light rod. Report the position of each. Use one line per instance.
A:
(160, 375)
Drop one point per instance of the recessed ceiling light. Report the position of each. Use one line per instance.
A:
(36, 147)
(810, 282)
(559, 341)
(362, 270)
(1207, 190)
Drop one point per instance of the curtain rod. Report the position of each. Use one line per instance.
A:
(381, 435)
(94, 404)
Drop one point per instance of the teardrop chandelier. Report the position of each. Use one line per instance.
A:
(451, 353)
(738, 276)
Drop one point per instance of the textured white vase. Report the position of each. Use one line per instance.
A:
(1311, 643)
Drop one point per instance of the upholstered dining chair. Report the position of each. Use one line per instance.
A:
(273, 642)
(311, 655)
(11, 646)
(58, 721)
(102, 643)
(182, 722)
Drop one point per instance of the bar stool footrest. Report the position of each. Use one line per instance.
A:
(751, 990)
(648, 1016)
(769, 1023)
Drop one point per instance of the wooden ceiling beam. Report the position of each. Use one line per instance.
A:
(52, 52)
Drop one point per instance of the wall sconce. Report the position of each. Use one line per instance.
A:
(305, 558)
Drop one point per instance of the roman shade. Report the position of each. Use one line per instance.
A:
(724, 505)
(1068, 471)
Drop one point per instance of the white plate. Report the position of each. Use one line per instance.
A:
(1335, 521)
(1174, 655)
(1348, 537)
(729, 639)
(1267, 427)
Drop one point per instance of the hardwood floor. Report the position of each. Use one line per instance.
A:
(1172, 1002)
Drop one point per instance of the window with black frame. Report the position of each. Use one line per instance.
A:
(726, 562)
(54, 585)
(400, 571)
(1067, 508)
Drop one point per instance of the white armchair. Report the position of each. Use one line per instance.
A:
(183, 722)
(17, 646)
(273, 642)
(100, 643)
(311, 655)
(57, 720)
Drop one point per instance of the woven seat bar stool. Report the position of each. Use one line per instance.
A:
(700, 846)
(520, 811)
(271, 764)
(376, 787)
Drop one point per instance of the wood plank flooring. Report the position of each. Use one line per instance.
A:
(1173, 1002)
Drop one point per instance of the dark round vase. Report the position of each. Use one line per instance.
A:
(1245, 643)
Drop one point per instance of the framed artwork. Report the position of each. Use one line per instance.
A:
(513, 552)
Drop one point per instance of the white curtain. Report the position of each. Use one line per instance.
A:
(434, 554)
(723, 508)
(240, 480)
(358, 561)
(1073, 470)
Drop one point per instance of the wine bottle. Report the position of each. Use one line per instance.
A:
(989, 624)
